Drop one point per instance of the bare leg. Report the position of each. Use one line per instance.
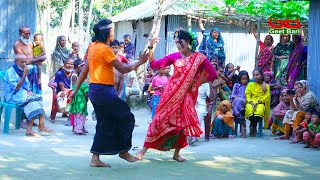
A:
(243, 130)
(39, 65)
(41, 126)
(29, 131)
(142, 152)
(287, 133)
(95, 162)
(177, 157)
(128, 157)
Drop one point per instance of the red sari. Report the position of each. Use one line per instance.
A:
(176, 117)
(265, 58)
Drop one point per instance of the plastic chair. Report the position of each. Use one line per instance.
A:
(7, 110)
(260, 128)
(7, 115)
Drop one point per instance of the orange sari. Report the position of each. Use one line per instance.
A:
(176, 117)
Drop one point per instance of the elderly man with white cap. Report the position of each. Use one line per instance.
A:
(16, 91)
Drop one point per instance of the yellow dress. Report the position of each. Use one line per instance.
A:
(37, 51)
(255, 93)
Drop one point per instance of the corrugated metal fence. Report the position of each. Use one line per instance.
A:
(239, 45)
(13, 14)
(314, 47)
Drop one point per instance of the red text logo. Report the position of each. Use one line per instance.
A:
(287, 23)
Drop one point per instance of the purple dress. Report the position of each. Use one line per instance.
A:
(60, 77)
(238, 100)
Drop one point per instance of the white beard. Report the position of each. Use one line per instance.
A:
(68, 70)
(25, 41)
(20, 68)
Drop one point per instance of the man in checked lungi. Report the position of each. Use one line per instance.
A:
(16, 91)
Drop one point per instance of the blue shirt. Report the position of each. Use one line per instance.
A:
(60, 77)
(11, 79)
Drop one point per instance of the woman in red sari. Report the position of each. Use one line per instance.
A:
(176, 118)
(265, 58)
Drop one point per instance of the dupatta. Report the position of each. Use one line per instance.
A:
(176, 109)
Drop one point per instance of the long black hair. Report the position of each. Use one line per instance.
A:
(243, 73)
(260, 71)
(102, 30)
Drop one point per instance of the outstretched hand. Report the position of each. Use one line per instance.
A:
(154, 40)
(72, 94)
(143, 57)
(201, 26)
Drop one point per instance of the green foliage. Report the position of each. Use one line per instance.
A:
(100, 9)
(264, 9)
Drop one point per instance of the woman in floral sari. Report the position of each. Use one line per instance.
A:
(213, 44)
(265, 59)
(176, 118)
(295, 63)
(281, 53)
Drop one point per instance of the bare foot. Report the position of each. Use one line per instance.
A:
(44, 129)
(128, 157)
(179, 158)
(32, 134)
(98, 163)
(307, 146)
(282, 137)
(141, 153)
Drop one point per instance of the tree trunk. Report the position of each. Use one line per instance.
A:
(153, 33)
(40, 14)
(73, 4)
(111, 7)
(257, 44)
(87, 37)
(66, 19)
(48, 36)
(80, 22)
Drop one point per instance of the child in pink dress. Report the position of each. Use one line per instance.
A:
(157, 84)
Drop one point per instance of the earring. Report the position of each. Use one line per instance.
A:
(190, 47)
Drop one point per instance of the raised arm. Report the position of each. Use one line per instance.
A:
(25, 74)
(82, 77)
(125, 68)
(161, 63)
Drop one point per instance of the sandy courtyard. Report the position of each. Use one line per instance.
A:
(63, 155)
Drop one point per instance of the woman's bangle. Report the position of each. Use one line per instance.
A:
(150, 47)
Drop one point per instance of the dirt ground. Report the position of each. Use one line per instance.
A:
(63, 155)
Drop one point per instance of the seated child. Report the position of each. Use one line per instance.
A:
(238, 100)
(219, 84)
(222, 125)
(275, 88)
(312, 135)
(230, 74)
(303, 126)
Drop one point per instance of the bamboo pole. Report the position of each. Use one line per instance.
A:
(189, 22)
(257, 43)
